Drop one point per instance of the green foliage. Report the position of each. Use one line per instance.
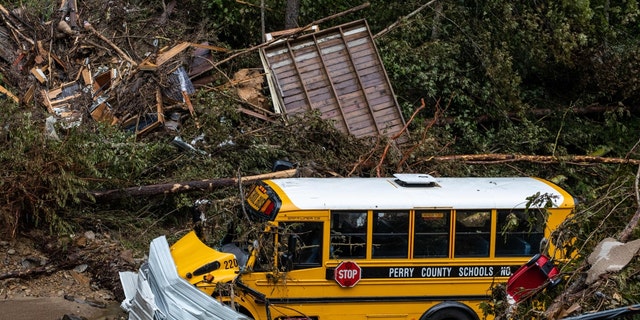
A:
(38, 8)
(37, 174)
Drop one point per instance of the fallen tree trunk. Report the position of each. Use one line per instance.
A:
(177, 187)
(493, 158)
(592, 109)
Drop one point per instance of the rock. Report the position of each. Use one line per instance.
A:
(81, 268)
(90, 235)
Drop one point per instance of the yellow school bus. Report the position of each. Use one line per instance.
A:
(411, 246)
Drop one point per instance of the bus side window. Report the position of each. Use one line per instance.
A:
(431, 236)
(473, 233)
(390, 234)
(307, 239)
(348, 235)
(519, 232)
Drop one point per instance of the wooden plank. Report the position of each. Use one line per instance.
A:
(382, 103)
(291, 84)
(308, 75)
(346, 98)
(324, 104)
(309, 64)
(298, 104)
(362, 127)
(284, 71)
(286, 74)
(362, 49)
(294, 95)
(168, 55)
(294, 110)
(4, 91)
(383, 115)
(373, 74)
(347, 86)
(323, 94)
(327, 47)
(340, 67)
(356, 107)
(366, 62)
(302, 49)
(338, 78)
(336, 58)
(317, 84)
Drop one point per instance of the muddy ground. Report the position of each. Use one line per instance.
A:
(48, 279)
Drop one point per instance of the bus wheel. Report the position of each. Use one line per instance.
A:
(450, 314)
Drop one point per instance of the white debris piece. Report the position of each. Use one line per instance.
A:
(610, 256)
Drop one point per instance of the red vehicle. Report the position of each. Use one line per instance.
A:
(532, 277)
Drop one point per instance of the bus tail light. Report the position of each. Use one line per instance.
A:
(268, 207)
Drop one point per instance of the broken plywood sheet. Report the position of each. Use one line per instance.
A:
(339, 73)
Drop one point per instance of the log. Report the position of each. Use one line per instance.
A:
(180, 187)
(493, 158)
(591, 109)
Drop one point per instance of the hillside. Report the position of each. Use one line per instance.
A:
(106, 146)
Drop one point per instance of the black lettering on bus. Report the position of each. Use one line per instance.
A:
(434, 272)
(229, 264)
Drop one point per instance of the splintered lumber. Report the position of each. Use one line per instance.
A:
(5, 92)
(179, 187)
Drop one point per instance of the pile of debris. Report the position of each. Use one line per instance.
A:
(75, 71)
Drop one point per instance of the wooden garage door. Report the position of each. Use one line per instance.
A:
(338, 72)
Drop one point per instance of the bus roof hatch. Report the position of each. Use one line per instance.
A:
(415, 180)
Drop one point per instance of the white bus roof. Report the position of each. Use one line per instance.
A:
(419, 191)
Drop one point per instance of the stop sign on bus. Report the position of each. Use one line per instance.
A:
(347, 274)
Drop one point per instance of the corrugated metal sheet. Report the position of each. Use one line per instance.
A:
(157, 292)
(338, 72)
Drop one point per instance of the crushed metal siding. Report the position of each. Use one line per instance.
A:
(157, 292)
(337, 72)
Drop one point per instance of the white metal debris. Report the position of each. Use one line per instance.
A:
(157, 292)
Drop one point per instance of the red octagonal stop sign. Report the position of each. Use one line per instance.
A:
(347, 273)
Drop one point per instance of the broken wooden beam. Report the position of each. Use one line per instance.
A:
(8, 94)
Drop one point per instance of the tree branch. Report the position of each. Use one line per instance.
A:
(633, 223)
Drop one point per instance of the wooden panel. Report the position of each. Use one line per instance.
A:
(338, 72)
